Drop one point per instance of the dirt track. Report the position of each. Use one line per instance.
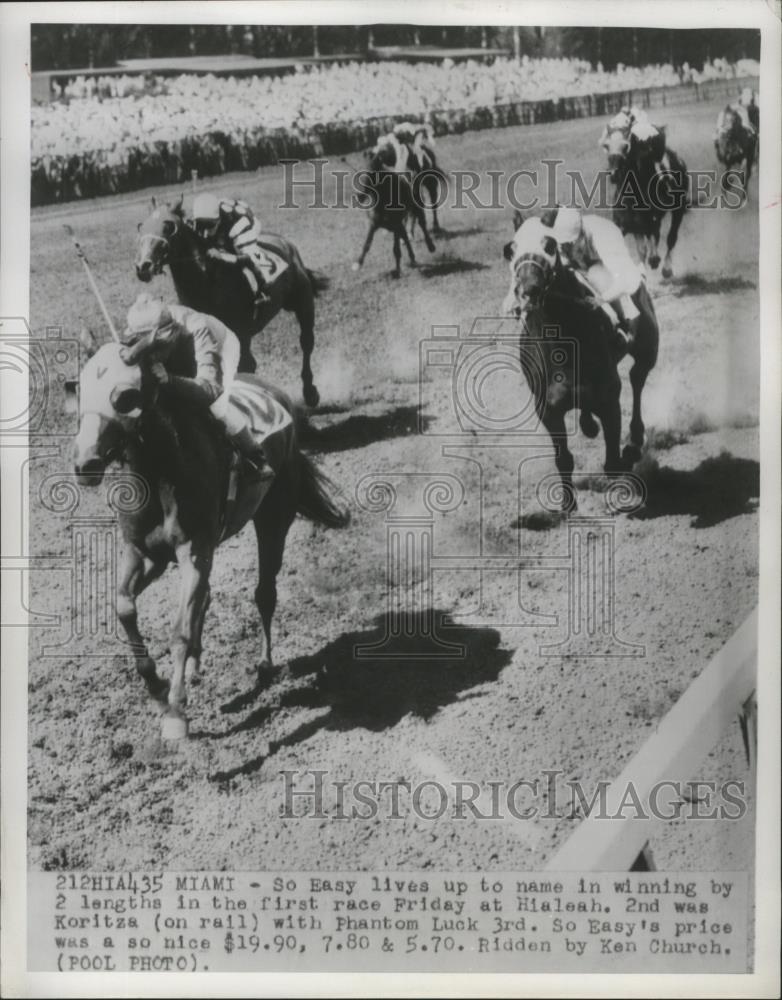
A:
(100, 793)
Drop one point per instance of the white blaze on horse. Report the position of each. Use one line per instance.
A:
(192, 502)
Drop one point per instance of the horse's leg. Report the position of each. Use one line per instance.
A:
(247, 362)
(397, 254)
(434, 194)
(367, 244)
(305, 314)
(554, 422)
(409, 247)
(673, 235)
(654, 243)
(194, 568)
(640, 246)
(193, 663)
(134, 578)
(272, 521)
(610, 414)
(418, 214)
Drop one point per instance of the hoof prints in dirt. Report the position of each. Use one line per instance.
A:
(375, 693)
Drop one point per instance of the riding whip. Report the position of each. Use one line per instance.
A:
(82, 257)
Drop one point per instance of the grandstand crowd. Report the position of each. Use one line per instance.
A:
(118, 133)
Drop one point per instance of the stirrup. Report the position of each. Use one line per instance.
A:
(256, 468)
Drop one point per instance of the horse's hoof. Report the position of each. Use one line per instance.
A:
(355, 266)
(396, 274)
(667, 272)
(654, 262)
(589, 426)
(174, 728)
(158, 689)
(631, 454)
(431, 247)
(311, 395)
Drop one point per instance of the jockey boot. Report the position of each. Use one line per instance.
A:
(255, 466)
(261, 301)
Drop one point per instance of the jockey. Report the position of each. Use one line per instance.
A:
(747, 109)
(232, 232)
(594, 247)
(195, 357)
(633, 121)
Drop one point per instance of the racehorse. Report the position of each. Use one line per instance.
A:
(579, 371)
(735, 146)
(425, 172)
(184, 461)
(645, 194)
(387, 191)
(222, 290)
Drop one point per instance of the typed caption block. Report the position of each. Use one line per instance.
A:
(497, 922)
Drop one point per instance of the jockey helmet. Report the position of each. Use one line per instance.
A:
(148, 318)
(206, 208)
(567, 225)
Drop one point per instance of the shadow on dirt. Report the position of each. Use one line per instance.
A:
(696, 284)
(451, 265)
(719, 488)
(375, 693)
(444, 235)
(360, 430)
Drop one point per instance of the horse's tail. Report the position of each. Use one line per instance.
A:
(319, 282)
(314, 500)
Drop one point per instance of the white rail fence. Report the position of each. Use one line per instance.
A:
(672, 753)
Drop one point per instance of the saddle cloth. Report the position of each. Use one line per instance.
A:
(265, 416)
(262, 413)
(266, 256)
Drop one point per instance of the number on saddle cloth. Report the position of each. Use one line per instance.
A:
(245, 235)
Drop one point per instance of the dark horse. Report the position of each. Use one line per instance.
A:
(579, 371)
(183, 460)
(645, 194)
(425, 173)
(221, 290)
(735, 147)
(386, 189)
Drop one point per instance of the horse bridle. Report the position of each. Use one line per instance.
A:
(148, 240)
(530, 259)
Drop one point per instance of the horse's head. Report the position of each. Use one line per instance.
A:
(110, 405)
(533, 259)
(727, 138)
(617, 150)
(157, 234)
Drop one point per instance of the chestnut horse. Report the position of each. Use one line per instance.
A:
(185, 460)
